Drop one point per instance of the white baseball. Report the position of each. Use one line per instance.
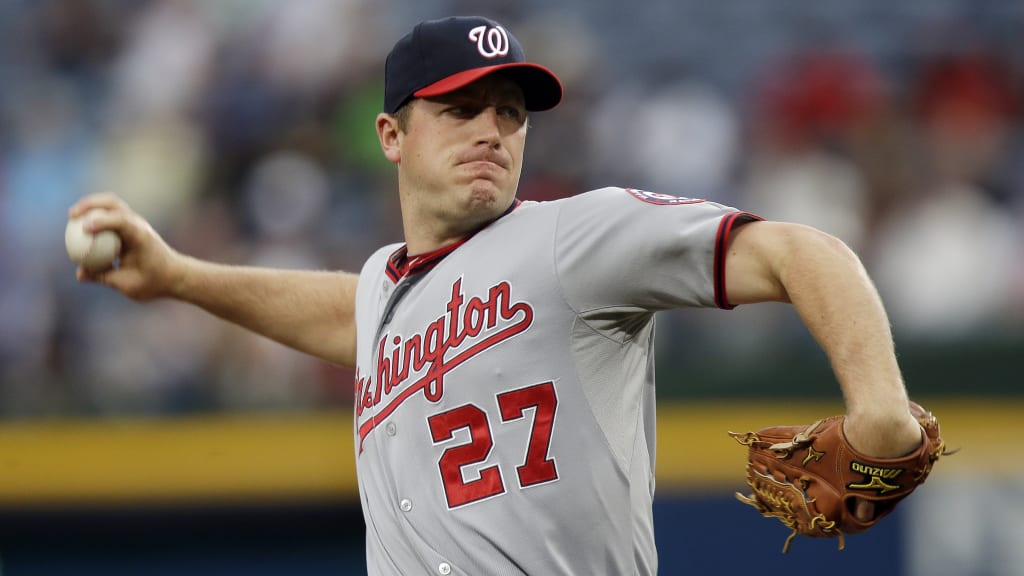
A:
(96, 252)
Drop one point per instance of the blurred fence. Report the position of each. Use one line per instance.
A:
(272, 495)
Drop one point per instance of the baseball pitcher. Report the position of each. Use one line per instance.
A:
(504, 397)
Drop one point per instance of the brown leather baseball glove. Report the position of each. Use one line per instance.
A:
(810, 478)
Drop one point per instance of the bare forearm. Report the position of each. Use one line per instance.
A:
(838, 303)
(307, 310)
(310, 311)
(830, 290)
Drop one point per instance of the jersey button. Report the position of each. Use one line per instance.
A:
(444, 568)
(405, 504)
(391, 429)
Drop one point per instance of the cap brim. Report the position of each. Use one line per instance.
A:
(542, 90)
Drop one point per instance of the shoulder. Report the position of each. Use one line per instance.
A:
(617, 204)
(637, 197)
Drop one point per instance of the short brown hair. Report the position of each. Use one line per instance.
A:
(403, 114)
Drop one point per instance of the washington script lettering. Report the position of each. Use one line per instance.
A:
(487, 322)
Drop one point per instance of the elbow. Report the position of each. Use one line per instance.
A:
(820, 265)
(774, 261)
(805, 246)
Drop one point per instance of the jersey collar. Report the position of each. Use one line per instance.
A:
(400, 264)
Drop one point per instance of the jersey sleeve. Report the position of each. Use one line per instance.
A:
(617, 247)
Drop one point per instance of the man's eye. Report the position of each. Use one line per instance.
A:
(511, 112)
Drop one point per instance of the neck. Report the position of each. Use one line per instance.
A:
(426, 230)
(417, 244)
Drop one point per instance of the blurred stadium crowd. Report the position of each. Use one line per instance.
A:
(243, 129)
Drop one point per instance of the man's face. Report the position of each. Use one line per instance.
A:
(461, 153)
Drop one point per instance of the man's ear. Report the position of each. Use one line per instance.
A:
(388, 134)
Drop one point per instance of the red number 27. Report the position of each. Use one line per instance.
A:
(537, 467)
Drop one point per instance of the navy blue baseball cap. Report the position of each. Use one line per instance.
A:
(441, 56)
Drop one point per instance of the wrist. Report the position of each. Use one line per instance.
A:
(181, 271)
(883, 436)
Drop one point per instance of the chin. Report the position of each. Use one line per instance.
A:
(487, 193)
(483, 198)
(484, 205)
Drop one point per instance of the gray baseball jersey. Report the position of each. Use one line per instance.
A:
(504, 419)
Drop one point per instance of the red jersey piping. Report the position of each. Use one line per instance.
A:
(725, 228)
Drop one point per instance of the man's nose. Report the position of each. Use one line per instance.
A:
(490, 126)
